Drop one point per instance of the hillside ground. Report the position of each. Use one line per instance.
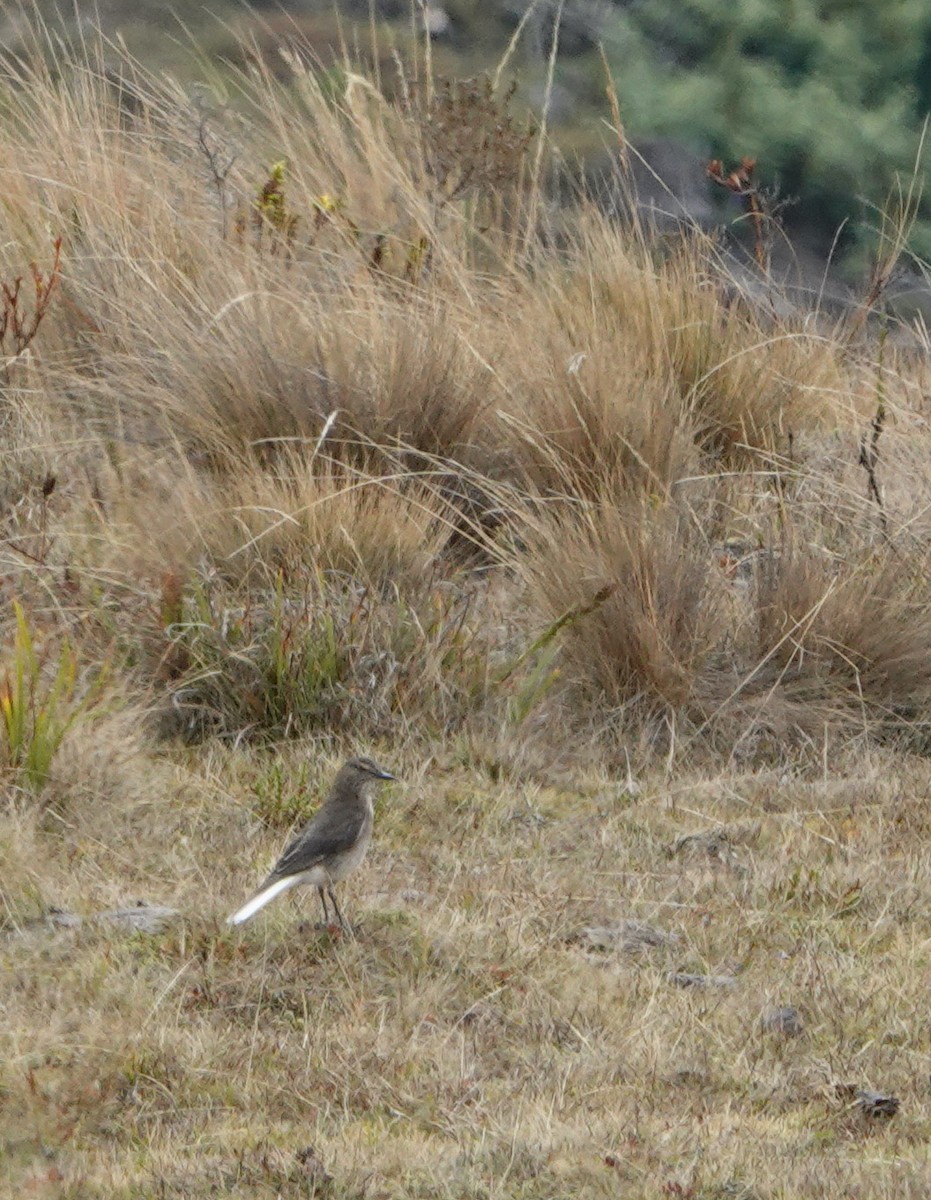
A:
(327, 432)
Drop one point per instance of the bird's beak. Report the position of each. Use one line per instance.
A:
(383, 774)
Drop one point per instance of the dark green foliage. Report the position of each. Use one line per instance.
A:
(828, 95)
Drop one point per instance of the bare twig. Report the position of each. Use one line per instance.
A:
(219, 166)
(740, 181)
(869, 443)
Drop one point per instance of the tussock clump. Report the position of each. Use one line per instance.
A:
(307, 597)
(324, 652)
(624, 369)
(648, 648)
(587, 410)
(640, 354)
(845, 638)
(267, 362)
(788, 639)
(299, 513)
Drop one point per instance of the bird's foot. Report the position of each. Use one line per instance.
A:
(332, 929)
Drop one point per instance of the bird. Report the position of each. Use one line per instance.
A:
(332, 843)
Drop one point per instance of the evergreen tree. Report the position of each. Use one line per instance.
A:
(828, 95)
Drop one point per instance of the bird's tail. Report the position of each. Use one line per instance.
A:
(265, 893)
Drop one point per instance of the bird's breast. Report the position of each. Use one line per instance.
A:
(342, 864)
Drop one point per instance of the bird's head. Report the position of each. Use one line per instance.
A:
(366, 770)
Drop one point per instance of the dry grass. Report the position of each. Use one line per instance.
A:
(464, 1044)
(321, 445)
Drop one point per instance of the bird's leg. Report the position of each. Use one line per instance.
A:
(326, 914)
(339, 916)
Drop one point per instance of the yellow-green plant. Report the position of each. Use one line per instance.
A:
(39, 706)
(270, 211)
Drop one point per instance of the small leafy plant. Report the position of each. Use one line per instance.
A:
(38, 704)
(272, 220)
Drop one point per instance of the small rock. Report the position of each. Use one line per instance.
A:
(146, 918)
(786, 1021)
(481, 1013)
(312, 1167)
(876, 1104)
(528, 816)
(721, 846)
(60, 919)
(715, 843)
(566, 1036)
(685, 979)
(688, 1077)
(632, 936)
(719, 841)
(437, 21)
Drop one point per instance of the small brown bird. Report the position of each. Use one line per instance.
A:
(331, 844)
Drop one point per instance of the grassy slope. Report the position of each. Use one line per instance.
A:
(462, 1045)
(244, 581)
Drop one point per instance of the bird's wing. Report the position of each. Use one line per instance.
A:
(331, 831)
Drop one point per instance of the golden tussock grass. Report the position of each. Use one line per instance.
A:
(333, 437)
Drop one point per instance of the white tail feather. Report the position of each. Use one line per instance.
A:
(260, 899)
